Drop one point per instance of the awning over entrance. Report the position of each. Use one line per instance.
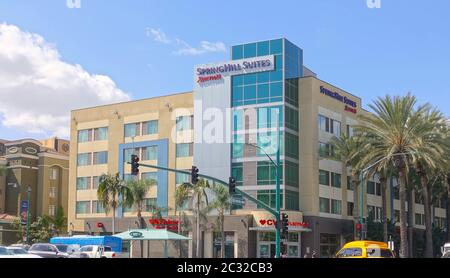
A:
(150, 234)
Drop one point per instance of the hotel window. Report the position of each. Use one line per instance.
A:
(268, 141)
(83, 207)
(150, 153)
(150, 127)
(396, 192)
(329, 125)
(267, 173)
(185, 123)
(95, 182)
(130, 177)
(418, 198)
(150, 176)
(237, 172)
(132, 130)
(335, 180)
(185, 150)
(291, 118)
(53, 173)
(51, 210)
(350, 131)
(101, 134)
(100, 158)
(238, 146)
(371, 188)
(324, 123)
(350, 207)
(182, 178)
(420, 219)
(292, 200)
(336, 207)
(336, 127)
(324, 177)
(268, 116)
(128, 152)
(97, 207)
(326, 150)
(374, 212)
(292, 174)
(84, 183)
(52, 192)
(292, 146)
(84, 135)
(349, 183)
(150, 204)
(238, 120)
(268, 197)
(324, 204)
(84, 159)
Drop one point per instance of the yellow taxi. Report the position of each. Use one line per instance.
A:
(365, 249)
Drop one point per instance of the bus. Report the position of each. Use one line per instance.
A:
(82, 240)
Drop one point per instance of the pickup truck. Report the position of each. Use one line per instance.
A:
(97, 251)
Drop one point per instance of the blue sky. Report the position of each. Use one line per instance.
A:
(401, 47)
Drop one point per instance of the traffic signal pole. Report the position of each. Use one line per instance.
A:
(238, 191)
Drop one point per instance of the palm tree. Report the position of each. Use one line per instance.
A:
(112, 192)
(181, 197)
(348, 150)
(199, 198)
(221, 203)
(397, 127)
(139, 190)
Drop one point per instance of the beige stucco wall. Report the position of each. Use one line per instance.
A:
(114, 117)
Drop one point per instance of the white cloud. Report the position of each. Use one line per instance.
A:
(183, 48)
(38, 89)
(158, 35)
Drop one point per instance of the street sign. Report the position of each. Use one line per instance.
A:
(24, 212)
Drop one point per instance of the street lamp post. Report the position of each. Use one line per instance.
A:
(28, 214)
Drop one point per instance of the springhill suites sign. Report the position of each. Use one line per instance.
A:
(350, 105)
(207, 73)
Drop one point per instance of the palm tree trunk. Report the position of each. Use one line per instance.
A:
(448, 207)
(383, 182)
(197, 224)
(410, 221)
(114, 221)
(141, 243)
(355, 203)
(222, 240)
(403, 229)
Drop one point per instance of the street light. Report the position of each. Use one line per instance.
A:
(362, 176)
(277, 199)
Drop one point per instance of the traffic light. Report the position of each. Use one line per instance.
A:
(194, 175)
(284, 225)
(232, 185)
(134, 165)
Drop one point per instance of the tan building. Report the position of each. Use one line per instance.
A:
(41, 166)
(263, 91)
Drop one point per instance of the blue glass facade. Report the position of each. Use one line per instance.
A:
(260, 90)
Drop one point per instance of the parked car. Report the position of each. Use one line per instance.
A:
(365, 249)
(19, 252)
(446, 248)
(47, 250)
(21, 245)
(98, 251)
(5, 253)
(446, 255)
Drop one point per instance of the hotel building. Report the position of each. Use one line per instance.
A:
(229, 126)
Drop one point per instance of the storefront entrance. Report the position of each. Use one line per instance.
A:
(267, 245)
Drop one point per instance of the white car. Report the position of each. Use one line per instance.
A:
(19, 252)
(98, 251)
(5, 253)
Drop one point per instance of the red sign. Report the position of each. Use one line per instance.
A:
(272, 222)
(350, 109)
(100, 225)
(203, 79)
(168, 224)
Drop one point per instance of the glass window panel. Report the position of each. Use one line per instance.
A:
(250, 92)
(263, 77)
(101, 134)
(336, 207)
(238, 93)
(150, 176)
(182, 178)
(250, 79)
(150, 153)
(238, 80)
(276, 46)
(276, 89)
(84, 135)
(250, 50)
(84, 183)
(263, 91)
(336, 180)
(150, 127)
(100, 158)
(263, 48)
(132, 130)
(324, 177)
(278, 62)
(184, 150)
(237, 52)
(95, 182)
(84, 159)
(276, 76)
(83, 207)
(324, 205)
